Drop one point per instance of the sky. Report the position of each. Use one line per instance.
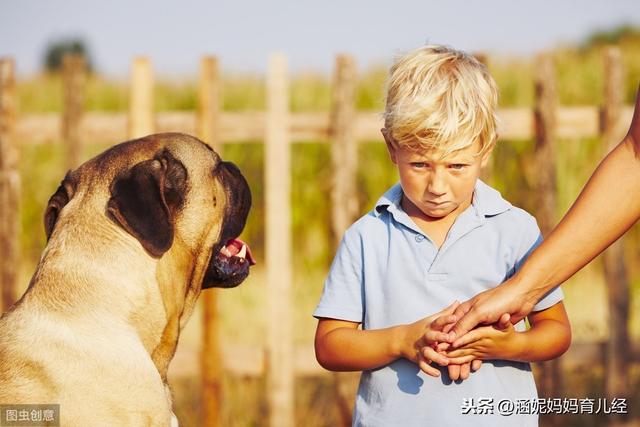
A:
(242, 33)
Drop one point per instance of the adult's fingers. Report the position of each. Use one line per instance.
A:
(634, 129)
(457, 353)
(468, 338)
(447, 311)
(459, 360)
(468, 317)
(476, 364)
(463, 308)
(445, 320)
(488, 306)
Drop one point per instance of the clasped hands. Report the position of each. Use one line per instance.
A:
(434, 343)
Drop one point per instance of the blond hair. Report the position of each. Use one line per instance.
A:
(440, 98)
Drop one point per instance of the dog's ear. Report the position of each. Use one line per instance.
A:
(56, 202)
(145, 199)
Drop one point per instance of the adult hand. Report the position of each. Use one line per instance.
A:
(488, 307)
(497, 341)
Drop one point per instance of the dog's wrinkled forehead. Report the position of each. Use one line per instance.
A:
(185, 148)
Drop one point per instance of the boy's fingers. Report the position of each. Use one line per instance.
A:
(476, 364)
(442, 321)
(442, 346)
(425, 366)
(436, 336)
(504, 321)
(465, 370)
(430, 354)
(428, 369)
(454, 372)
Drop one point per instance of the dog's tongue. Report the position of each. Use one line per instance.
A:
(236, 247)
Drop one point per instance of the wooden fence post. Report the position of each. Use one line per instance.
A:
(344, 199)
(487, 171)
(280, 379)
(545, 118)
(73, 78)
(615, 272)
(141, 118)
(545, 136)
(209, 100)
(9, 187)
(207, 130)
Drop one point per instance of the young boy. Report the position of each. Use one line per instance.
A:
(438, 236)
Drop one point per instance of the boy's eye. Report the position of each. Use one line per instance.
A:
(458, 166)
(419, 164)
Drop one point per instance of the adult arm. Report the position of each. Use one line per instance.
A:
(606, 208)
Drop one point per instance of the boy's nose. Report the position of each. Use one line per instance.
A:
(436, 184)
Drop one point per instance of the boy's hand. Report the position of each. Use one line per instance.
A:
(462, 372)
(458, 371)
(497, 341)
(468, 357)
(420, 337)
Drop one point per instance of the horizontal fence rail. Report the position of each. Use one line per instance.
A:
(517, 123)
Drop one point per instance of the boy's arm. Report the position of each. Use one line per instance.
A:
(548, 338)
(341, 346)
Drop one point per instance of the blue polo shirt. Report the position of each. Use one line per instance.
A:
(388, 272)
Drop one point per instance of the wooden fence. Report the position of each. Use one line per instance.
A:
(344, 127)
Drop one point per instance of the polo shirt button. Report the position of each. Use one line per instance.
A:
(419, 238)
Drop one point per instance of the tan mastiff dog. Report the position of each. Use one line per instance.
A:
(134, 235)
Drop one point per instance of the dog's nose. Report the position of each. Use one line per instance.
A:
(239, 195)
(229, 168)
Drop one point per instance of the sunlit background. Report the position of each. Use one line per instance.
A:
(174, 36)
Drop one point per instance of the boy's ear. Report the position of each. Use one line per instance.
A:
(391, 145)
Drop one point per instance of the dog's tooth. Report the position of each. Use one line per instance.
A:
(243, 252)
(224, 251)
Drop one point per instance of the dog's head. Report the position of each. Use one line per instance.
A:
(170, 192)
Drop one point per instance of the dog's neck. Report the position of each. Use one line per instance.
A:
(152, 296)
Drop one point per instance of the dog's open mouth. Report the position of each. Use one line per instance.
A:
(236, 248)
(230, 265)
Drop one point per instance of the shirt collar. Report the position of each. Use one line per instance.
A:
(390, 200)
(486, 201)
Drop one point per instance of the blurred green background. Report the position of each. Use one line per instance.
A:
(579, 82)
